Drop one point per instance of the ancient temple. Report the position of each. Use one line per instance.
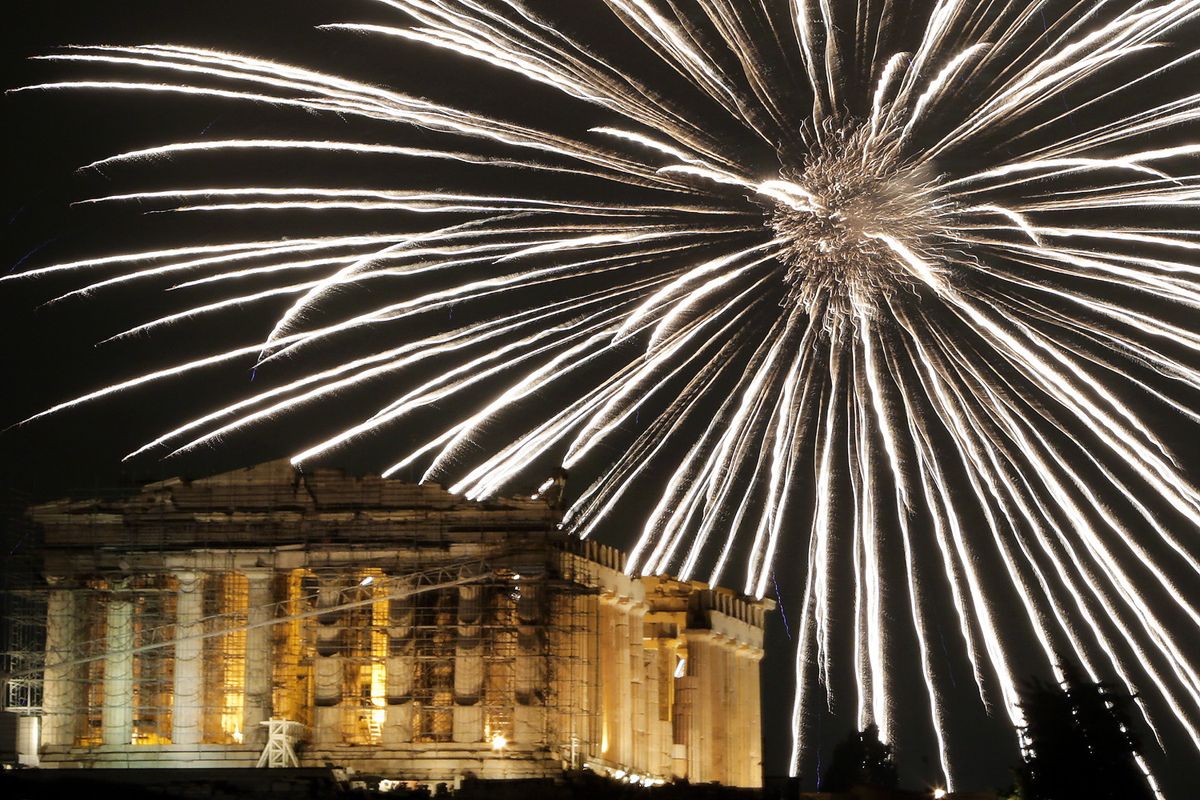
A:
(399, 629)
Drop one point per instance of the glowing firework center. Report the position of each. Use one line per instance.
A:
(849, 226)
(392, 628)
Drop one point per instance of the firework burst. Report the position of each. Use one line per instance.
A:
(926, 341)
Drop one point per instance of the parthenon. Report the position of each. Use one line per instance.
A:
(399, 630)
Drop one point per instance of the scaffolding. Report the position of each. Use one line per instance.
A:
(384, 626)
(22, 608)
(487, 627)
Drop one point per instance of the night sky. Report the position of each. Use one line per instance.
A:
(49, 353)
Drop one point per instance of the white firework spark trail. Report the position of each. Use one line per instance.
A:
(948, 257)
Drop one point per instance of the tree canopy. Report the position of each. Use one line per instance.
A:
(1078, 743)
(860, 760)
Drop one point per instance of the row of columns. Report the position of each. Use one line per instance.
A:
(660, 657)
(717, 714)
(63, 697)
(576, 645)
(629, 712)
(527, 650)
(714, 730)
(714, 734)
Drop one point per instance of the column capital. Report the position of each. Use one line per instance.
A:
(189, 579)
(177, 562)
(257, 574)
(330, 581)
(612, 597)
(119, 589)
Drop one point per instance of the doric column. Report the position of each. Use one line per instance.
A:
(752, 708)
(651, 677)
(686, 751)
(260, 638)
(639, 748)
(117, 714)
(611, 654)
(624, 677)
(587, 686)
(721, 705)
(701, 647)
(398, 722)
(328, 665)
(60, 691)
(751, 714)
(735, 737)
(669, 655)
(529, 714)
(468, 667)
(560, 698)
(187, 717)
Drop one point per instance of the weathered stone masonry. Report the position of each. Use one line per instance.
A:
(414, 634)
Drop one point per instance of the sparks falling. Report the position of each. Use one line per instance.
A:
(908, 291)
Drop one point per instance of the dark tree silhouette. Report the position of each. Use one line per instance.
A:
(1079, 743)
(860, 760)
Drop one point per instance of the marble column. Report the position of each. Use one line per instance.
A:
(624, 687)
(639, 753)
(685, 755)
(398, 722)
(60, 689)
(187, 716)
(668, 685)
(735, 733)
(328, 666)
(611, 655)
(559, 676)
(588, 685)
(752, 706)
(529, 713)
(714, 709)
(468, 666)
(260, 652)
(117, 713)
(651, 673)
(700, 734)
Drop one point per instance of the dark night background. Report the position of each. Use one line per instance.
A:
(49, 353)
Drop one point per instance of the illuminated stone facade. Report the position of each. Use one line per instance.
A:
(414, 634)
